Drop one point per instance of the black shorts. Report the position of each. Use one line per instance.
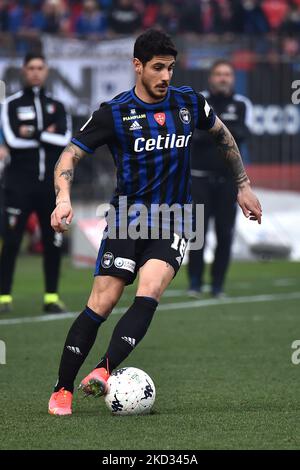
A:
(123, 258)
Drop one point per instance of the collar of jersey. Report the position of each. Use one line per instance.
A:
(29, 89)
(149, 105)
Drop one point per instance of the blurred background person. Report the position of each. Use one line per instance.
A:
(168, 18)
(212, 182)
(54, 17)
(36, 128)
(3, 160)
(124, 17)
(92, 22)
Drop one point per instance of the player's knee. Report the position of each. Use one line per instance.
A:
(152, 289)
(101, 304)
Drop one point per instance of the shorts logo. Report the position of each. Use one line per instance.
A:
(185, 115)
(107, 260)
(125, 263)
(179, 259)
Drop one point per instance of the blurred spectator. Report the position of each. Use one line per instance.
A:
(292, 20)
(168, 18)
(190, 17)
(207, 16)
(27, 18)
(275, 12)
(290, 47)
(150, 14)
(92, 21)
(105, 4)
(216, 16)
(15, 17)
(3, 15)
(124, 18)
(55, 17)
(25, 23)
(249, 17)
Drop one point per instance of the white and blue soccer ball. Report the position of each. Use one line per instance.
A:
(131, 392)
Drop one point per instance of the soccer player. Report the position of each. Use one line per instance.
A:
(148, 130)
(36, 128)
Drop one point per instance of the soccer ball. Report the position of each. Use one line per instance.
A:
(131, 392)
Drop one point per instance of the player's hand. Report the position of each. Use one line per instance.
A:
(3, 152)
(62, 216)
(249, 203)
(51, 128)
(26, 131)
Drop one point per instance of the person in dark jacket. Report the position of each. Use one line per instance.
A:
(212, 182)
(35, 128)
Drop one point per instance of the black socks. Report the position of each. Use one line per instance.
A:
(79, 342)
(128, 332)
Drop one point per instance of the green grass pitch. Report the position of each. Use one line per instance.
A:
(223, 370)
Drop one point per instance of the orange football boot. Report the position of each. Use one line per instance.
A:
(95, 384)
(60, 403)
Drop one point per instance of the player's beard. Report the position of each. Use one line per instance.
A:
(151, 92)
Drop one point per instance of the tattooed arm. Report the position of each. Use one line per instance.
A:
(63, 177)
(228, 148)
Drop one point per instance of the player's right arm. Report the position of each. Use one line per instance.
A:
(63, 177)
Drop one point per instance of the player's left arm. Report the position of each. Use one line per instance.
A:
(228, 148)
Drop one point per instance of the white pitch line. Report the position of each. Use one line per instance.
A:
(164, 307)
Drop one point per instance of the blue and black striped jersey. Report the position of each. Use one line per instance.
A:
(150, 143)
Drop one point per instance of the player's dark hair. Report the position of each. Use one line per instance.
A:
(151, 43)
(33, 55)
(219, 62)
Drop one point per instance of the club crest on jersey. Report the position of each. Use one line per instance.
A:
(107, 260)
(185, 115)
(160, 118)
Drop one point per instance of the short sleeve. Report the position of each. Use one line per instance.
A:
(97, 131)
(206, 115)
